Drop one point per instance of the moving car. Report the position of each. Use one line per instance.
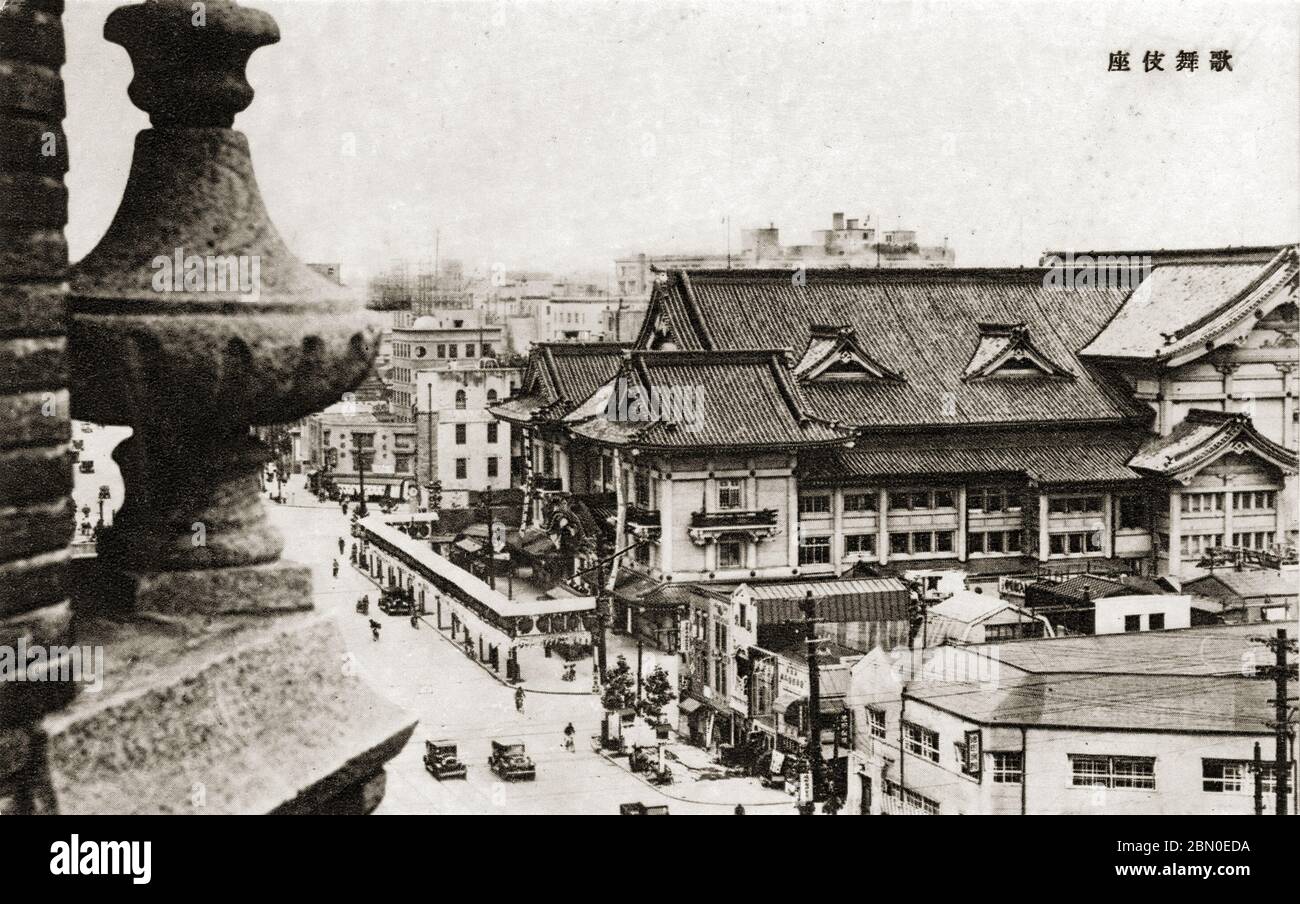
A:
(442, 761)
(509, 761)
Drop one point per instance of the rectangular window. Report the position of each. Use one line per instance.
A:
(860, 502)
(943, 541)
(876, 723)
(1008, 767)
(922, 541)
(492, 431)
(920, 499)
(729, 494)
(815, 505)
(815, 551)
(453, 349)
(1235, 776)
(1113, 771)
(921, 741)
(1156, 621)
(1132, 623)
(996, 541)
(1132, 512)
(641, 482)
(469, 349)
(1013, 541)
(462, 468)
(492, 466)
(460, 434)
(898, 544)
(730, 554)
(1195, 503)
(943, 499)
(974, 542)
(864, 544)
(442, 350)
(901, 501)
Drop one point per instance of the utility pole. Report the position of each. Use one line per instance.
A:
(814, 700)
(1259, 782)
(1281, 672)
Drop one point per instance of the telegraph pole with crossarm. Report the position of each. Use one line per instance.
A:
(1281, 672)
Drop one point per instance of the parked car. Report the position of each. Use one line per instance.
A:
(510, 762)
(640, 809)
(397, 601)
(442, 761)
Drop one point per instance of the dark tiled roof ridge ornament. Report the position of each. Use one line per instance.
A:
(192, 321)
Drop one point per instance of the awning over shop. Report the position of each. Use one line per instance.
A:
(688, 705)
(875, 599)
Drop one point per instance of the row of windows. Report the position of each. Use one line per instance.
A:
(462, 467)
(1248, 500)
(1007, 766)
(462, 432)
(1074, 543)
(462, 399)
(1074, 505)
(993, 541)
(443, 350)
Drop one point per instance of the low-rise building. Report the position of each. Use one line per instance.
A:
(1143, 723)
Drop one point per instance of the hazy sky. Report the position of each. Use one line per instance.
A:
(560, 135)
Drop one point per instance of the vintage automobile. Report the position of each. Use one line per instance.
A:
(396, 601)
(440, 758)
(509, 761)
(640, 809)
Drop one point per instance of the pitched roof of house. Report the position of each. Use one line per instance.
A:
(921, 324)
(1183, 310)
(559, 377)
(1247, 584)
(1176, 703)
(692, 399)
(1044, 456)
(1203, 436)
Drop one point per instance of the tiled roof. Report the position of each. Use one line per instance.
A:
(878, 599)
(1180, 308)
(560, 376)
(1043, 456)
(1201, 437)
(705, 400)
(1248, 584)
(1178, 703)
(922, 324)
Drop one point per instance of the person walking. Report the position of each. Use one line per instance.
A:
(336, 568)
(341, 546)
(374, 629)
(519, 700)
(568, 738)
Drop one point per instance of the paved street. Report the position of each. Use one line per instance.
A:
(454, 698)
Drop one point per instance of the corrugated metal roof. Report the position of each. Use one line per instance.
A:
(1248, 584)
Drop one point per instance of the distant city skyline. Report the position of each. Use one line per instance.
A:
(561, 136)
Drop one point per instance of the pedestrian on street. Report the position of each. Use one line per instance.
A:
(415, 621)
(374, 629)
(336, 568)
(341, 546)
(740, 809)
(568, 738)
(519, 699)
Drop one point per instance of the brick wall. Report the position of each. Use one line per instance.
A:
(36, 510)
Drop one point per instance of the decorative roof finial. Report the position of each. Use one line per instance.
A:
(189, 58)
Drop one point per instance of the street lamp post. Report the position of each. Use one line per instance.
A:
(361, 472)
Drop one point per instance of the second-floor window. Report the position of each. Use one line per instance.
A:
(818, 504)
(1008, 767)
(815, 551)
(462, 468)
(729, 494)
(641, 484)
(860, 502)
(1137, 772)
(1257, 500)
(460, 399)
(876, 723)
(1195, 503)
(921, 741)
(460, 434)
(730, 554)
(492, 431)
(492, 466)
(863, 544)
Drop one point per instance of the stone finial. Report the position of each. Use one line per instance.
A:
(189, 58)
(192, 322)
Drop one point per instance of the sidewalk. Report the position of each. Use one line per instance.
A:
(531, 683)
(703, 783)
